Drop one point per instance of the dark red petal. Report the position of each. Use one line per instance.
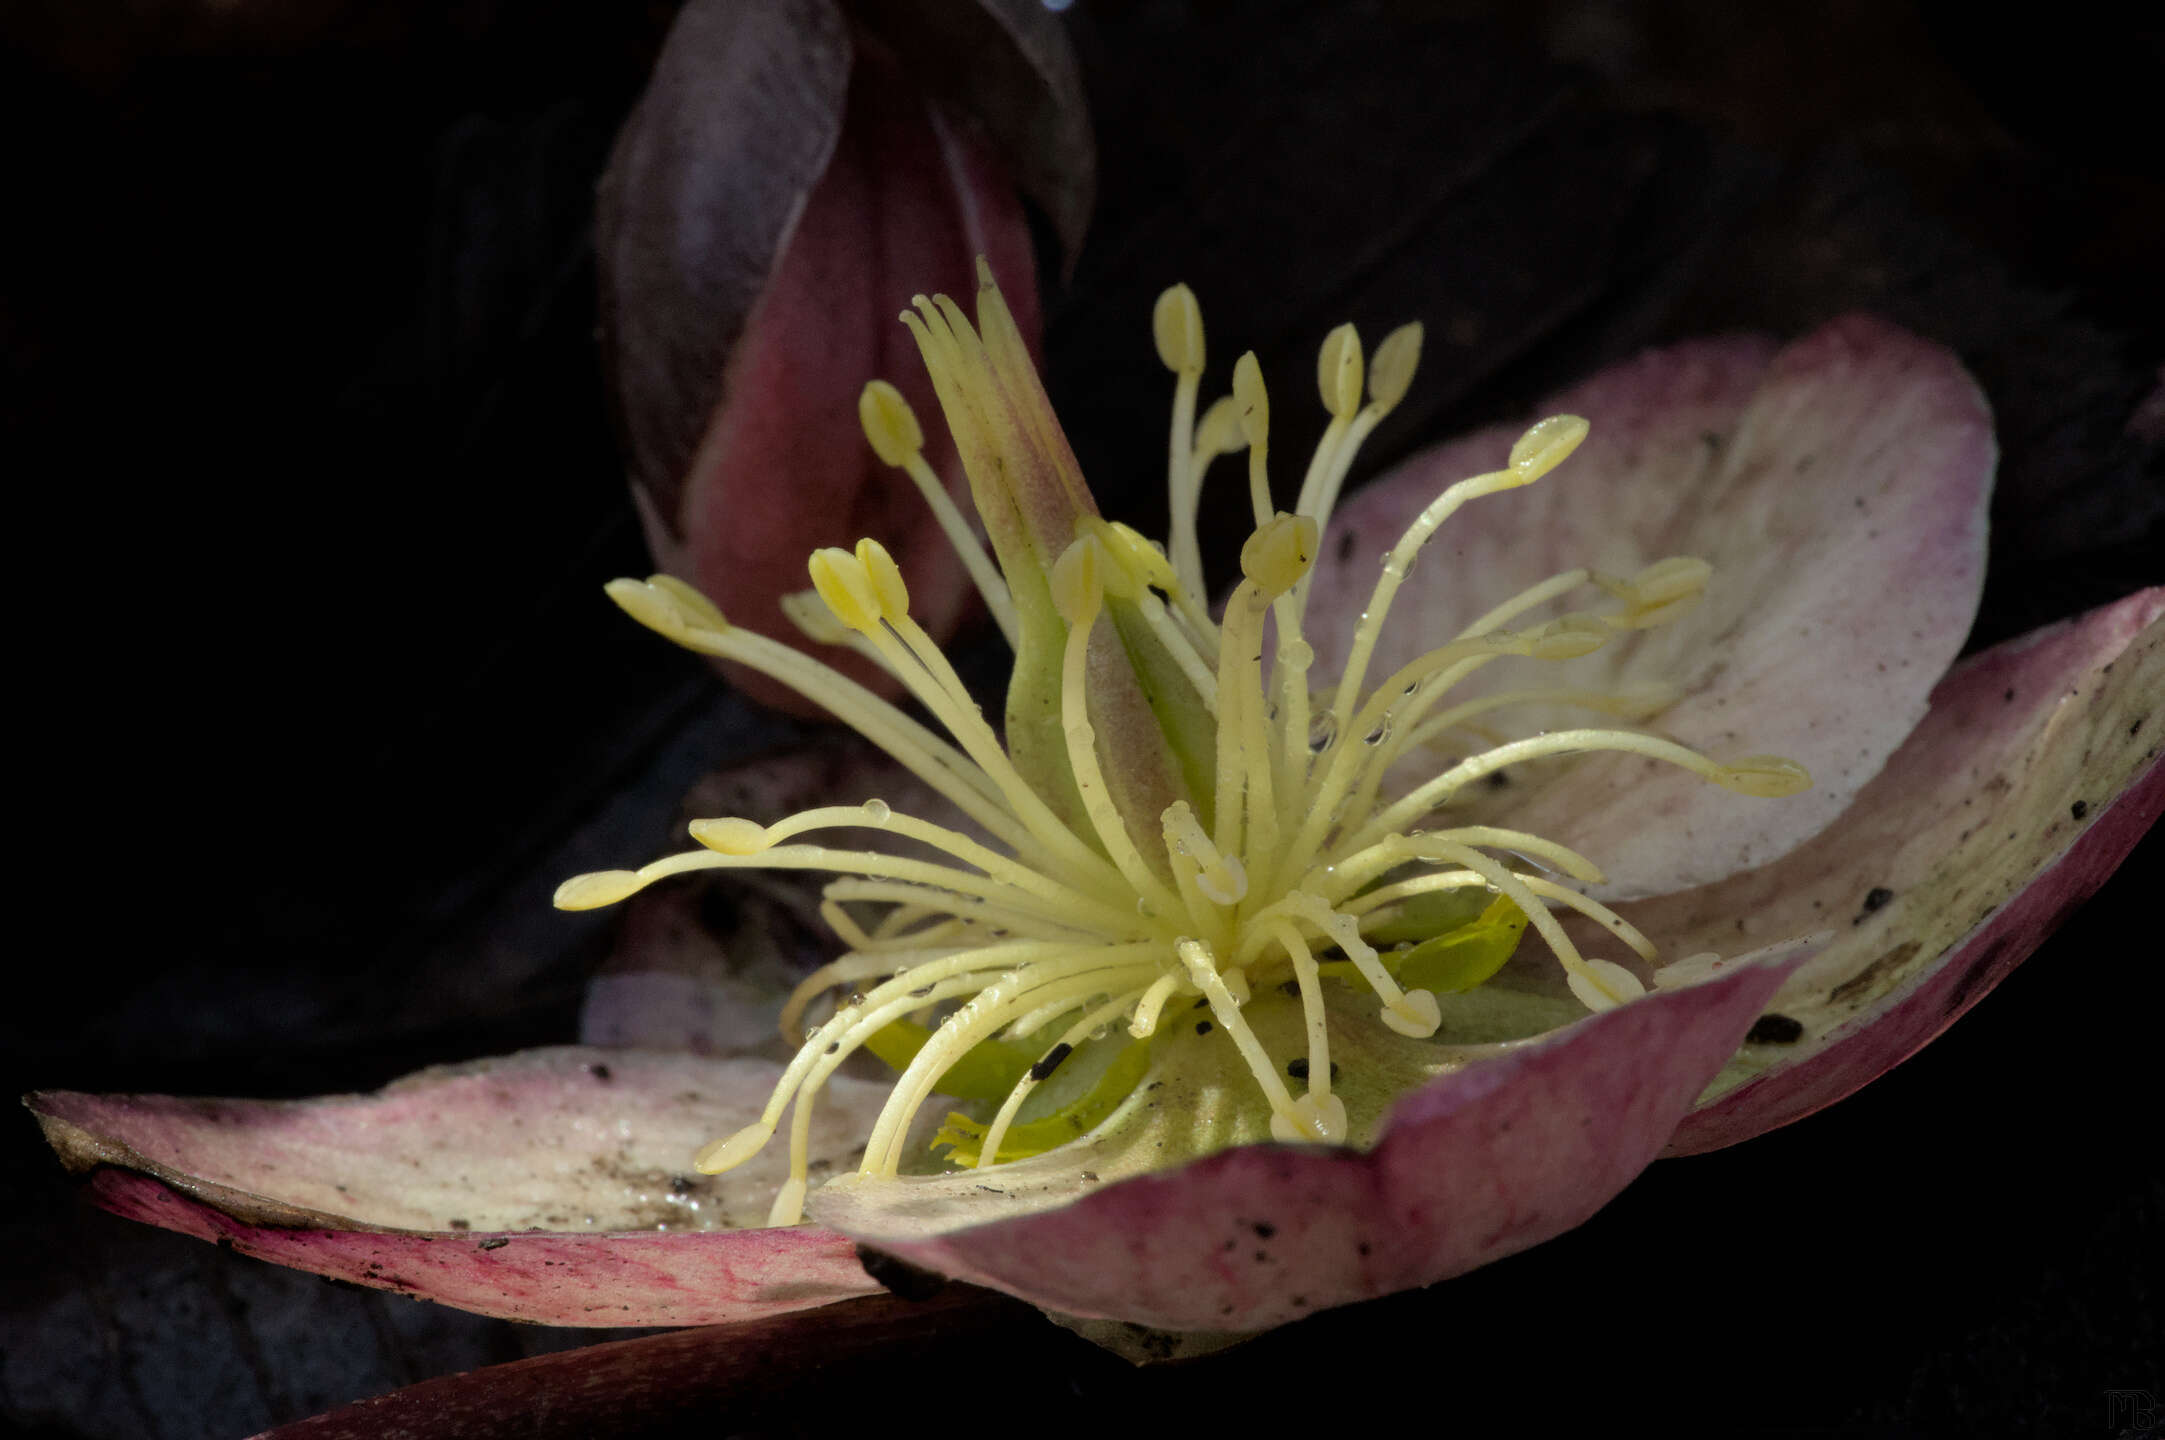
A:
(783, 467)
(683, 1377)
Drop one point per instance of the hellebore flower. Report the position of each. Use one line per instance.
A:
(790, 166)
(1234, 1038)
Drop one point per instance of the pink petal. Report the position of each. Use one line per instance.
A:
(1838, 487)
(553, 1186)
(782, 189)
(1486, 1161)
(2034, 775)
(783, 467)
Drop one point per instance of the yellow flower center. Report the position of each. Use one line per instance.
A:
(1279, 860)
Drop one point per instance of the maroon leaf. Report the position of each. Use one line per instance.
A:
(687, 1376)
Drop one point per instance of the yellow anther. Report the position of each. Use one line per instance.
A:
(1659, 593)
(1338, 372)
(840, 579)
(1567, 637)
(1767, 776)
(602, 887)
(651, 607)
(1219, 432)
(1076, 579)
(809, 614)
(1604, 984)
(1178, 324)
(886, 578)
(696, 607)
(1547, 445)
(1141, 562)
(1414, 1013)
(1671, 579)
(1251, 401)
(1224, 882)
(1691, 970)
(731, 835)
(729, 1153)
(1279, 553)
(889, 423)
(1390, 372)
(1644, 700)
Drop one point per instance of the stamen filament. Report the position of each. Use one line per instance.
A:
(985, 1013)
(1738, 775)
(1310, 980)
(1203, 970)
(749, 838)
(996, 1132)
(1144, 1023)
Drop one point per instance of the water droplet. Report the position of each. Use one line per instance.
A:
(1142, 908)
(1533, 862)
(878, 811)
(1322, 735)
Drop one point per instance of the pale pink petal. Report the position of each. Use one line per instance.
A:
(2035, 773)
(1839, 489)
(1486, 1161)
(553, 1186)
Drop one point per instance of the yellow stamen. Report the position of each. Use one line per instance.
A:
(991, 941)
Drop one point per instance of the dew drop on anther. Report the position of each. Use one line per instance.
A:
(878, 811)
(1322, 735)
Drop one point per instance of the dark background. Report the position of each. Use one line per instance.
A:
(316, 489)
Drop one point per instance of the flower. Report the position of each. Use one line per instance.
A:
(1951, 884)
(1225, 829)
